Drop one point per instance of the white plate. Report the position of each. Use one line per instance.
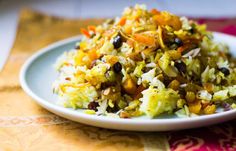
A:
(37, 76)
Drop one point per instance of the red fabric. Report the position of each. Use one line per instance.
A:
(227, 26)
(214, 138)
(220, 137)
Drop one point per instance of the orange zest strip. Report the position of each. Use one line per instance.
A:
(122, 21)
(180, 49)
(154, 11)
(85, 32)
(144, 39)
(92, 28)
(130, 43)
(93, 54)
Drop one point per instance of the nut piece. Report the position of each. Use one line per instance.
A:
(106, 91)
(124, 115)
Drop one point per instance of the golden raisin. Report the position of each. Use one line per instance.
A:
(210, 109)
(129, 86)
(174, 85)
(195, 107)
(165, 18)
(205, 103)
(190, 96)
(160, 77)
(209, 87)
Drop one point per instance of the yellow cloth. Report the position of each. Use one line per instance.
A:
(25, 126)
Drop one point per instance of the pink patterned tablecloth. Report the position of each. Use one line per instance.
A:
(223, 25)
(214, 138)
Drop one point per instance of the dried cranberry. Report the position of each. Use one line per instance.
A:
(226, 106)
(93, 106)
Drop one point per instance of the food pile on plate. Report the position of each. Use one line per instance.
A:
(147, 62)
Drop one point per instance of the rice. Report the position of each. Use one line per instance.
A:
(146, 62)
(157, 101)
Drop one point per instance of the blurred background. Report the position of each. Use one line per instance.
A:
(109, 8)
(9, 11)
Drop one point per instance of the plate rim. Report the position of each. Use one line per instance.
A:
(68, 112)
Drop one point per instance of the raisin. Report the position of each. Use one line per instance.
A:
(181, 66)
(117, 67)
(178, 42)
(117, 42)
(107, 84)
(225, 71)
(192, 30)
